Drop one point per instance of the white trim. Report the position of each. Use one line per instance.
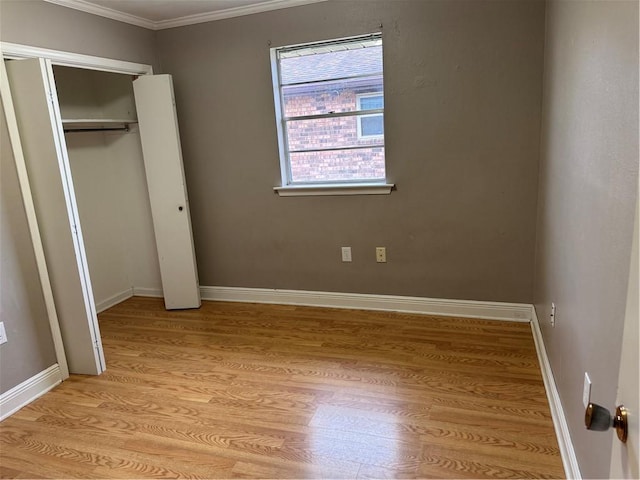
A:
(70, 199)
(335, 189)
(279, 109)
(517, 312)
(231, 13)
(147, 292)
(13, 400)
(32, 221)
(114, 300)
(68, 59)
(180, 21)
(567, 453)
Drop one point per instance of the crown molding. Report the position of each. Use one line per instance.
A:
(93, 9)
(105, 12)
(231, 12)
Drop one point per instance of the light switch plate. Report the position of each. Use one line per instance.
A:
(586, 390)
(3, 334)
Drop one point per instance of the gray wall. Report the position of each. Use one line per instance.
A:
(22, 308)
(36, 23)
(462, 94)
(41, 24)
(588, 188)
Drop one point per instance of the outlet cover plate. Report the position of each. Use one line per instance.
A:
(346, 254)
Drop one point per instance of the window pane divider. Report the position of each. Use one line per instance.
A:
(336, 149)
(355, 113)
(333, 79)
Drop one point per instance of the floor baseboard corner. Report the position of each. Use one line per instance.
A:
(147, 292)
(114, 300)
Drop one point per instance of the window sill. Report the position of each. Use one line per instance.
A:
(335, 189)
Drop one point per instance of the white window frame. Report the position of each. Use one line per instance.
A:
(346, 187)
(359, 97)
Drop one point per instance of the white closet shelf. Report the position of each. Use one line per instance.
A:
(71, 124)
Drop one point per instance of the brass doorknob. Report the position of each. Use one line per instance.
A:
(620, 423)
(599, 419)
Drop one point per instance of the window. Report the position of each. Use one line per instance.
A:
(370, 126)
(329, 100)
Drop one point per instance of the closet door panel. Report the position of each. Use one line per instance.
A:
(40, 127)
(162, 153)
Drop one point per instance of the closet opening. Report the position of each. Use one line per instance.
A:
(102, 154)
(107, 167)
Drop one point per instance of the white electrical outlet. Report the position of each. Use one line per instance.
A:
(381, 254)
(346, 254)
(3, 334)
(586, 390)
(552, 317)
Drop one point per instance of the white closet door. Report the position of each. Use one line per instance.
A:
(38, 115)
(162, 153)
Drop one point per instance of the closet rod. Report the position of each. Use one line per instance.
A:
(118, 129)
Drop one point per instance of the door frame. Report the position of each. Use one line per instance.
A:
(69, 59)
(13, 51)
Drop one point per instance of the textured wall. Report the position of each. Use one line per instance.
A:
(462, 118)
(588, 188)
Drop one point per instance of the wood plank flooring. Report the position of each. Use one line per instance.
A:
(268, 391)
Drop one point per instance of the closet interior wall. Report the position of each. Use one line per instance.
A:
(110, 184)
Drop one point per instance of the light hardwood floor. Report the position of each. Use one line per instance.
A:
(265, 391)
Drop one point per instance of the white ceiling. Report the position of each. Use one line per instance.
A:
(160, 14)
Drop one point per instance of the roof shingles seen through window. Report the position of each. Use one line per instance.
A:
(326, 66)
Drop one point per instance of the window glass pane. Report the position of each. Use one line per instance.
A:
(331, 132)
(372, 125)
(338, 165)
(371, 102)
(331, 97)
(325, 66)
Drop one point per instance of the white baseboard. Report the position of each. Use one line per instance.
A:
(114, 300)
(147, 292)
(568, 454)
(13, 400)
(518, 312)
